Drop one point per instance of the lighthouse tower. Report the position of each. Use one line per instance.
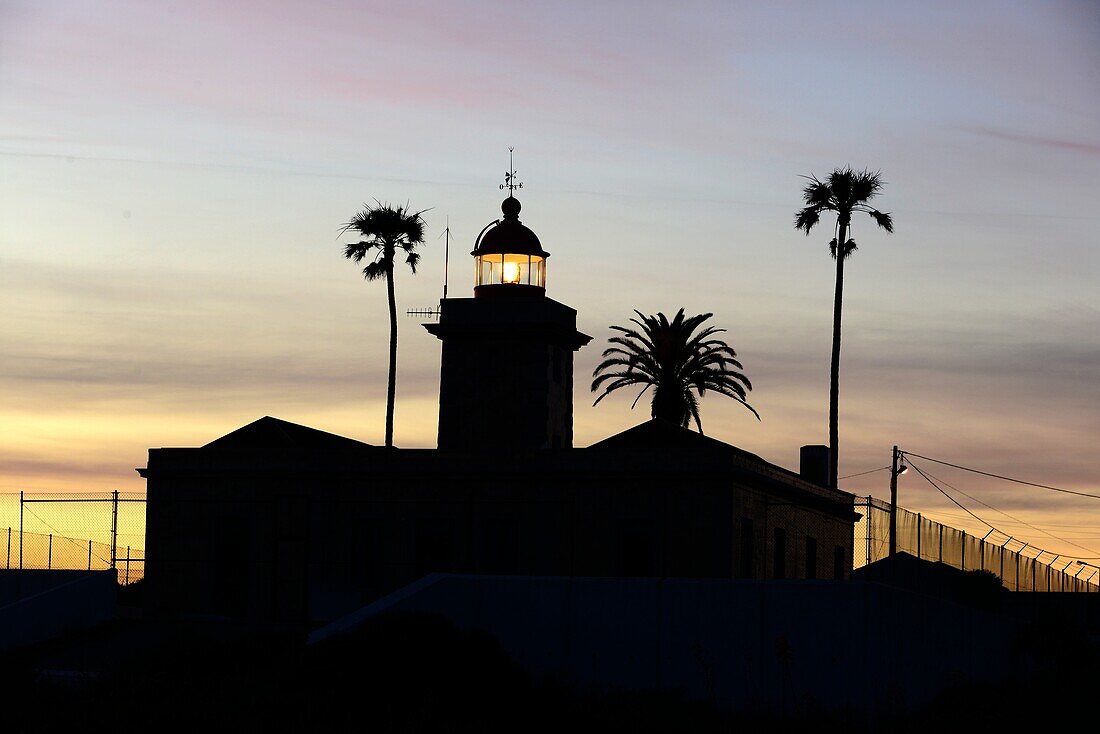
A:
(506, 378)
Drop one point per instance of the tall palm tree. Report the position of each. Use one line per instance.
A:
(844, 191)
(385, 230)
(676, 361)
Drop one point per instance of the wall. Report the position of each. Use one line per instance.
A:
(778, 645)
(41, 605)
(264, 537)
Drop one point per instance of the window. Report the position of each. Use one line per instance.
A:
(838, 562)
(811, 558)
(779, 550)
(746, 548)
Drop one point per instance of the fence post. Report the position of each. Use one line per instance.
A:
(1002, 574)
(20, 530)
(981, 553)
(114, 529)
(49, 553)
(7, 564)
(962, 554)
(918, 535)
(868, 530)
(89, 555)
(127, 582)
(941, 542)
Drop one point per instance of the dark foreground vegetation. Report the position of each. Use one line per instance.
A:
(420, 674)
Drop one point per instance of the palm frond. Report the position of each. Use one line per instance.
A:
(693, 407)
(806, 219)
(883, 219)
(376, 270)
(632, 405)
(356, 251)
(816, 193)
(865, 185)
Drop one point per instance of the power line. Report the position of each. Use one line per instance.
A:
(860, 474)
(988, 525)
(1001, 476)
(955, 501)
(1011, 517)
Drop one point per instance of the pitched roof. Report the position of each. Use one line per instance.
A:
(660, 434)
(268, 433)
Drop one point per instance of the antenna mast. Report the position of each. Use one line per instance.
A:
(446, 256)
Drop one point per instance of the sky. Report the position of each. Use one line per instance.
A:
(175, 177)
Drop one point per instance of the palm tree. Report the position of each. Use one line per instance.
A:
(844, 191)
(385, 230)
(674, 360)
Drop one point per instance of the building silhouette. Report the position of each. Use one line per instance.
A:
(284, 523)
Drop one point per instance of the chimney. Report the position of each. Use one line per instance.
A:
(813, 464)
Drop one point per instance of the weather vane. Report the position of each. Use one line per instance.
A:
(510, 182)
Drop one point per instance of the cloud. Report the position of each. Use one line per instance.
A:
(89, 335)
(1073, 146)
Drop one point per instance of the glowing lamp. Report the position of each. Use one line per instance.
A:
(509, 258)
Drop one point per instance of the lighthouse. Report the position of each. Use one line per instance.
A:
(506, 374)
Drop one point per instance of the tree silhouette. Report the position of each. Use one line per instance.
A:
(676, 361)
(844, 192)
(385, 230)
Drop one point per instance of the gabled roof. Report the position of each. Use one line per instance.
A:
(658, 434)
(660, 446)
(272, 433)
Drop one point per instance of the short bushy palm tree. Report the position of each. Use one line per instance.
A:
(844, 192)
(677, 361)
(385, 230)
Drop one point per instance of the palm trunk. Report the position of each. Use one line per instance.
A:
(391, 388)
(834, 376)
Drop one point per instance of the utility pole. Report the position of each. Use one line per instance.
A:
(894, 502)
(114, 529)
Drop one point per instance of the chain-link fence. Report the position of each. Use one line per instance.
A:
(76, 531)
(1019, 565)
